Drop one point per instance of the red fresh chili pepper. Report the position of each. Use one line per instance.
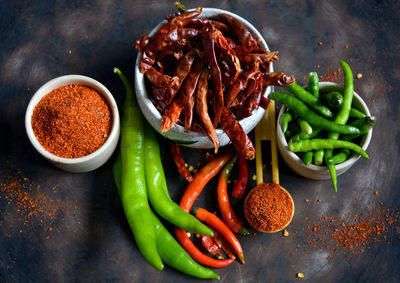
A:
(179, 162)
(200, 179)
(223, 243)
(196, 254)
(212, 220)
(241, 183)
(235, 132)
(228, 215)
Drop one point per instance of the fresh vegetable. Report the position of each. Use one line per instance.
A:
(304, 126)
(319, 156)
(341, 116)
(332, 99)
(157, 190)
(241, 182)
(315, 144)
(309, 99)
(311, 117)
(342, 156)
(212, 220)
(228, 214)
(133, 184)
(285, 120)
(303, 136)
(307, 157)
(168, 248)
(179, 161)
(357, 114)
(313, 84)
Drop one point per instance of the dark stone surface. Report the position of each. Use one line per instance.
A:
(90, 239)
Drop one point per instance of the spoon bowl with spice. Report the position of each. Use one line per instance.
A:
(73, 121)
(268, 207)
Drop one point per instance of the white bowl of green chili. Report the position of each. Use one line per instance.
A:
(321, 172)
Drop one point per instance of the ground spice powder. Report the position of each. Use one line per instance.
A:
(268, 207)
(72, 121)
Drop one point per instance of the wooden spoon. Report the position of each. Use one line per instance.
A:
(253, 205)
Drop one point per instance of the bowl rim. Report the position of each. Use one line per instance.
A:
(140, 80)
(63, 81)
(348, 163)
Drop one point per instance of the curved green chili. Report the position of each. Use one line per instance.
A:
(332, 99)
(169, 249)
(342, 156)
(341, 116)
(356, 114)
(311, 117)
(309, 99)
(313, 84)
(307, 157)
(315, 144)
(285, 120)
(303, 136)
(158, 192)
(133, 185)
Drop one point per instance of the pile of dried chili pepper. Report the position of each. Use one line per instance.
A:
(208, 73)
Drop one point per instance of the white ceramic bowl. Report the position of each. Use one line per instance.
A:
(314, 171)
(177, 132)
(86, 163)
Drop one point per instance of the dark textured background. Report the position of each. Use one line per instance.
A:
(90, 240)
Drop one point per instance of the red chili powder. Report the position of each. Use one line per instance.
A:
(268, 207)
(72, 121)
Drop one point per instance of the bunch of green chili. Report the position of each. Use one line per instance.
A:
(325, 126)
(140, 179)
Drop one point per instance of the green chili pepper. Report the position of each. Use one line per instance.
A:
(285, 120)
(313, 84)
(169, 249)
(307, 157)
(158, 192)
(341, 116)
(304, 136)
(315, 144)
(133, 185)
(342, 156)
(356, 114)
(332, 99)
(309, 99)
(311, 117)
(319, 157)
(304, 126)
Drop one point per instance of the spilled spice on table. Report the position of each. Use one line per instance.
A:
(31, 204)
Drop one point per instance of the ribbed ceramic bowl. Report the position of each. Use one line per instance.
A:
(86, 163)
(314, 171)
(177, 133)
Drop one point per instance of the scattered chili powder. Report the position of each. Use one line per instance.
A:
(72, 121)
(268, 207)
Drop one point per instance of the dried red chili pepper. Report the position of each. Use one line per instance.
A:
(209, 245)
(188, 32)
(241, 183)
(179, 161)
(212, 220)
(242, 33)
(232, 91)
(264, 102)
(242, 95)
(202, 108)
(171, 115)
(228, 215)
(248, 59)
(235, 132)
(187, 90)
(208, 39)
(277, 79)
(196, 254)
(160, 80)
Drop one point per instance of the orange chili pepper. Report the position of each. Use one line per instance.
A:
(196, 254)
(200, 179)
(212, 220)
(228, 215)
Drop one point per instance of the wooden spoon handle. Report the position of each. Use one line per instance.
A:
(274, 152)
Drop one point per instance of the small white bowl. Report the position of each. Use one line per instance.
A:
(314, 171)
(177, 132)
(86, 163)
